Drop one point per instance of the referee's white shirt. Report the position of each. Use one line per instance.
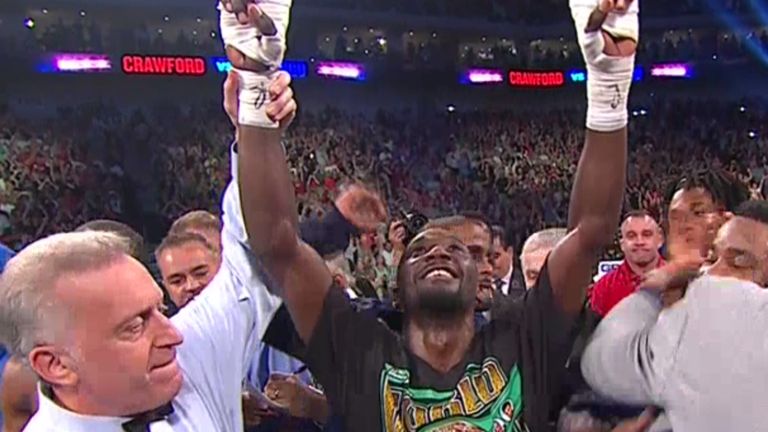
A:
(222, 328)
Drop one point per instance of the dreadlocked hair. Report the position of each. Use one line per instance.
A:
(726, 190)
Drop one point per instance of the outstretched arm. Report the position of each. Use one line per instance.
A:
(608, 40)
(269, 210)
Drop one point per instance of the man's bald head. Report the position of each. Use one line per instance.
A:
(641, 239)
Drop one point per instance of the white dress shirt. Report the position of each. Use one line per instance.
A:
(506, 280)
(222, 329)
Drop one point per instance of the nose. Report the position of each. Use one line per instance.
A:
(438, 252)
(168, 335)
(193, 285)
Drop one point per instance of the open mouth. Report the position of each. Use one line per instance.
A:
(439, 272)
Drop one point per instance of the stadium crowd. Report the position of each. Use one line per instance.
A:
(393, 301)
(513, 167)
(88, 36)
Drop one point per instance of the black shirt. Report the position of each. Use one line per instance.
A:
(505, 382)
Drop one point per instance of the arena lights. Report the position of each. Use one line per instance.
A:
(76, 63)
(163, 65)
(351, 71)
(580, 75)
(536, 79)
(296, 68)
(676, 70)
(482, 76)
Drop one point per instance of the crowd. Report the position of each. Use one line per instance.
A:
(527, 11)
(260, 326)
(88, 36)
(94, 161)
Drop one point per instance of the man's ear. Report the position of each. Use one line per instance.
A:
(52, 366)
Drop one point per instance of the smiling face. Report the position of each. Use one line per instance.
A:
(640, 240)
(438, 275)
(187, 269)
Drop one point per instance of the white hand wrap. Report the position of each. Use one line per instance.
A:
(608, 78)
(266, 50)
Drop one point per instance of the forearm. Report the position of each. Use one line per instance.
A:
(618, 359)
(266, 194)
(598, 188)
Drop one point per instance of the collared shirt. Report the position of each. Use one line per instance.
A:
(614, 287)
(509, 285)
(222, 329)
(504, 286)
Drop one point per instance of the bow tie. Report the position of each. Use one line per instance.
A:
(141, 422)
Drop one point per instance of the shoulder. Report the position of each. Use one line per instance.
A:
(726, 296)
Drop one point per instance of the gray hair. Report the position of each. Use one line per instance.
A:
(27, 304)
(544, 240)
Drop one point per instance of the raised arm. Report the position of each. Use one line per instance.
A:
(269, 210)
(608, 40)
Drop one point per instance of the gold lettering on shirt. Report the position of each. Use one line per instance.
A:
(477, 390)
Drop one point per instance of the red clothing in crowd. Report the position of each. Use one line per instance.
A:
(613, 287)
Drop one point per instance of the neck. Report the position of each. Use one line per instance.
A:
(76, 403)
(643, 268)
(442, 344)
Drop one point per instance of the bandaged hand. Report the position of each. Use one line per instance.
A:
(254, 35)
(608, 32)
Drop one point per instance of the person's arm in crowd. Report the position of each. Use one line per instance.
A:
(349, 217)
(330, 234)
(298, 399)
(626, 359)
(269, 211)
(598, 187)
(223, 326)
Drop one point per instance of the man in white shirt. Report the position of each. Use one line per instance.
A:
(87, 319)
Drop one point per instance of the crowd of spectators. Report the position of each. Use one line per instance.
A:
(516, 11)
(94, 161)
(439, 52)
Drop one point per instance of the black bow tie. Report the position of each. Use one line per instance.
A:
(141, 422)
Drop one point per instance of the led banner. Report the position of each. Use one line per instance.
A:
(75, 63)
(296, 68)
(482, 76)
(350, 71)
(135, 64)
(536, 78)
(674, 70)
(580, 75)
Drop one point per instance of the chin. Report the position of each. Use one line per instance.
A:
(440, 286)
(167, 380)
